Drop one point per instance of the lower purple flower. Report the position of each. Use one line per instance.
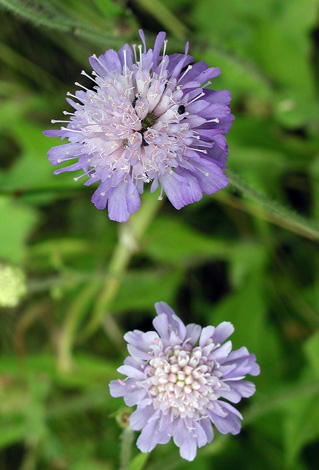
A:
(179, 377)
(148, 118)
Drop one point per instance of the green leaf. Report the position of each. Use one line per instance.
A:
(33, 170)
(139, 289)
(139, 462)
(88, 369)
(311, 348)
(43, 18)
(282, 49)
(108, 8)
(35, 411)
(164, 15)
(301, 426)
(239, 75)
(265, 160)
(11, 433)
(56, 251)
(182, 243)
(89, 463)
(18, 222)
(246, 310)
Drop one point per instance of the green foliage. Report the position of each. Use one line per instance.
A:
(18, 222)
(248, 254)
(139, 462)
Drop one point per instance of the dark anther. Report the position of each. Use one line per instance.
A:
(181, 109)
(144, 143)
(134, 102)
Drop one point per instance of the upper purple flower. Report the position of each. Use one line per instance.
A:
(148, 118)
(179, 377)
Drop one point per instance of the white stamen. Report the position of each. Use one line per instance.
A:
(101, 64)
(206, 84)
(84, 87)
(134, 50)
(196, 98)
(76, 97)
(88, 76)
(214, 120)
(79, 177)
(198, 150)
(125, 66)
(164, 59)
(69, 130)
(141, 56)
(187, 70)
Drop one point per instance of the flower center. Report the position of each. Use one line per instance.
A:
(148, 122)
(183, 381)
(134, 122)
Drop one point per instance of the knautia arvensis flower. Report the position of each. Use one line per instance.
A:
(179, 377)
(148, 118)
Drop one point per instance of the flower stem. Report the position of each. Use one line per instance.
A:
(130, 235)
(161, 12)
(73, 318)
(275, 212)
(127, 437)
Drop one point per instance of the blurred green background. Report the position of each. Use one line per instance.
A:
(71, 281)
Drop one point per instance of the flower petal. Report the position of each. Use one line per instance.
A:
(118, 388)
(131, 372)
(193, 332)
(222, 332)
(206, 334)
(117, 205)
(230, 423)
(160, 324)
(148, 437)
(173, 320)
(140, 417)
(188, 448)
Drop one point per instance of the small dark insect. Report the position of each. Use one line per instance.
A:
(144, 143)
(181, 109)
(134, 102)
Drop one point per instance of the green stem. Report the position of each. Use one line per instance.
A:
(130, 235)
(165, 16)
(28, 68)
(43, 18)
(127, 438)
(280, 214)
(71, 323)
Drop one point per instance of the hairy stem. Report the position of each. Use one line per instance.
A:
(274, 211)
(71, 323)
(127, 438)
(130, 235)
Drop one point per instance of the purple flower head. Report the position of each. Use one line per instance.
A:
(149, 117)
(179, 377)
